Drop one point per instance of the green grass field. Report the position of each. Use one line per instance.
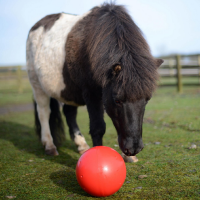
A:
(171, 126)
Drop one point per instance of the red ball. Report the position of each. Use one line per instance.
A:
(101, 171)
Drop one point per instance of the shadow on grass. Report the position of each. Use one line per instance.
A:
(61, 178)
(24, 139)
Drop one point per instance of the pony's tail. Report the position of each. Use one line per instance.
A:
(55, 122)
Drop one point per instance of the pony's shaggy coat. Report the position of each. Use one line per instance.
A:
(107, 36)
(99, 59)
(47, 22)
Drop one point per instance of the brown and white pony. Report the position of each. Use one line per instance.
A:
(100, 60)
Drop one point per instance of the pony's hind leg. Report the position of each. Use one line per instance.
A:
(43, 110)
(70, 113)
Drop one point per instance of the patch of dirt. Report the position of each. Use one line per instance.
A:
(171, 125)
(16, 108)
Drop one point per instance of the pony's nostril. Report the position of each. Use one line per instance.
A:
(127, 152)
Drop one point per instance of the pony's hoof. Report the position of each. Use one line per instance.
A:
(83, 150)
(129, 159)
(51, 152)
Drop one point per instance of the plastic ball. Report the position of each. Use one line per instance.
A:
(101, 171)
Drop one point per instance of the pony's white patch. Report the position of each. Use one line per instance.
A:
(46, 55)
(44, 114)
(80, 142)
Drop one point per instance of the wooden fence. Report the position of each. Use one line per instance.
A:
(174, 66)
(14, 72)
(179, 67)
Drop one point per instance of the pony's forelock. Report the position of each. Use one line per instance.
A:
(117, 39)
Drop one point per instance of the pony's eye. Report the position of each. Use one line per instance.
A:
(118, 102)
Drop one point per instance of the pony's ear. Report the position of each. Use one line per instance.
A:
(159, 62)
(117, 69)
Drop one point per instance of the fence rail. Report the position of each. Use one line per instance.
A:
(180, 66)
(174, 66)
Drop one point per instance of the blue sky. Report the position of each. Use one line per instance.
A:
(169, 26)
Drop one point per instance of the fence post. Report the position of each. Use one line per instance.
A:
(178, 66)
(198, 57)
(19, 79)
(171, 71)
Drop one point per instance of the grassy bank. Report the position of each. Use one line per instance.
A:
(9, 93)
(171, 126)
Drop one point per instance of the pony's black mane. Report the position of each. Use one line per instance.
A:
(113, 38)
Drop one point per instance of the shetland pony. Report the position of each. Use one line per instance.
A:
(99, 59)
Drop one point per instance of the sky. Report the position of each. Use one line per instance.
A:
(169, 26)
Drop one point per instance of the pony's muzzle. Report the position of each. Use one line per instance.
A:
(131, 149)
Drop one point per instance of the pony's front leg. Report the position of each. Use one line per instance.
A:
(43, 109)
(97, 124)
(70, 113)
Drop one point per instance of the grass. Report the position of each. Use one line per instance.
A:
(9, 93)
(173, 170)
(185, 80)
